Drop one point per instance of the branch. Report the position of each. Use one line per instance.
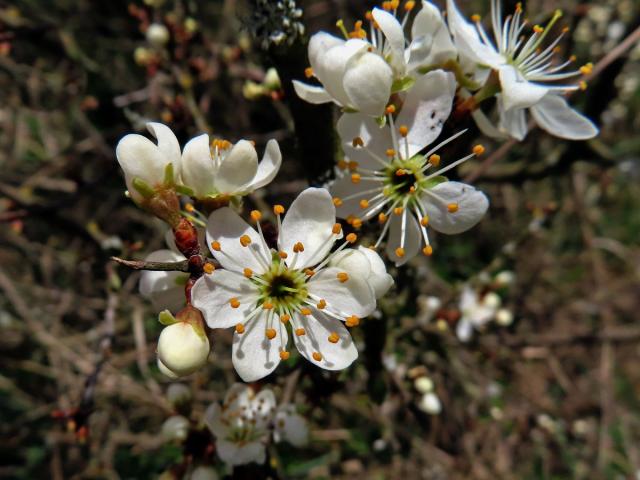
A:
(181, 266)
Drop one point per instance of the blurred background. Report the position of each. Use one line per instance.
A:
(549, 388)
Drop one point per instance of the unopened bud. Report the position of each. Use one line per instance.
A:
(175, 429)
(179, 395)
(186, 238)
(204, 473)
(423, 384)
(157, 35)
(430, 403)
(182, 349)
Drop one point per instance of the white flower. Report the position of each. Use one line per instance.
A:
(423, 385)
(390, 179)
(366, 263)
(260, 291)
(475, 311)
(428, 306)
(360, 73)
(165, 290)
(290, 427)
(175, 428)
(504, 317)
(526, 74)
(204, 473)
(430, 403)
(157, 35)
(182, 349)
(147, 165)
(241, 426)
(220, 169)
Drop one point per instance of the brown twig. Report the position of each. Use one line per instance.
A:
(181, 266)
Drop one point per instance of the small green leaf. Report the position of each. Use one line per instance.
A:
(381, 120)
(184, 190)
(168, 174)
(143, 188)
(166, 318)
(432, 182)
(349, 110)
(402, 84)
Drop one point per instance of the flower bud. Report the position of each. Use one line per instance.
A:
(182, 349)
(505, 278)
(165, 371)
(430, 403)
(504, 317)
(204, 473)
(423, 384)
(157, 35)
(179, 394)
(186, 238)
(175, 428)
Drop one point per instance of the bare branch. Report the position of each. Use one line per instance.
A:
(181, 266)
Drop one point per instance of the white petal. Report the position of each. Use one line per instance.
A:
(367, 82)
(214, 421)
(318, 328)
(164, 289)
(430, 39)
(379, 280)
(140, 158)
(343, 187)
(198, 169)
(211, 295)
(472, 205)
(263, 407)
(353, 297)
(291, 427)
(486, 126)
(512, 122)
(166, 371)
(311, 93)
(556, 116)
(234, 454)
(254, 356)
(376, 140)
(238, 397)
(468, 299)
(319, 44)
(167, 143)
(331, 67)
(464, 330)
(310, 220)
(269, 166)
(238, 168)
(517, 92)
(426, 108)
(226, 227)
(413, 239)
(394, 34)
(468, 40)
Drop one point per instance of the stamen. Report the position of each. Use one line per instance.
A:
(285, 317)
(404, 130)
(352, 321)
(317, 356)
(282, 255)
(475, 18)
(208, 268)
(343, 277)
(583, 85)
(452, 207)
(398, 210)
(256, 215)
(382, 217)
(245, 240)
(270, 333)
(337, 201)
(300, 332)
(267, 305)
(351, 238)
(215, 246)
(353, 165)
(390, 110)
(356, 223)
(239, 328)
(337, 228)
(538, 29)
(478, 149)
(298, 247)
(400, 252)
(234, 302)
(334, 337)
(586, 69)
(390, 152)
(408, 6)
(357, 142)
(284, 355)
(305, 311)
(321, 304)
(278, 209)
(308, 72)
(248, 272)
(424, 221)
(364, 203)
(355, 178)
(428, 250)
(309, 272)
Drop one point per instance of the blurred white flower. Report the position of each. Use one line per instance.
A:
(179, 394)
(204, 473)
(475, 311)
(386, 176)
(504, 317)
(290, 427)
(221, 169)
(428, 306)
(505, 278)
(423, 384)
(182, 349)
(526, 72)
(260, 292)
(430, 403)
(157, 34)
(175, 428)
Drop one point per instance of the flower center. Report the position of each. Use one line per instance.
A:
(282, 287)
(405, 178)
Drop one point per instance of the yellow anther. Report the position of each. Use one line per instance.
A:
(355, 178)
(390, 152)
(391, 109)
(352, 321)
(342, 164)
(395, 4)
(475, 18)
(239, 328)
(308, 72)
(478, 149)
(565, 29)
(519, 7)
(356, 223)
(557, 50)
(404, 130)
(357, 142)
(586, 69)
(336, 229)
(434, 160)
(284, 355)
(400, 252)
(300, 332)
(337, 201)
(538, 29)
(283, 255)
(573, 58)
(234, 302)
(342, 276)
(256, 215)
(412, 189)
(408, 6)
(382, 218)
(334, 337)
(248, 272)
(424, 221)
(208, 268)
(351, 238)
(321, 304)
(400, 172)
(270, 333)
(387, 6)
(364, 203)
(353, 165)
(267, 305)
(215, 245)
(189, 207)
(284, 318)
(298, 247)
(583, 85)
(245, 240)
(278, 209)
(317, 356)
(428, 250)
(305, 311)
(398, 210)
(452, 207)
(309, 272)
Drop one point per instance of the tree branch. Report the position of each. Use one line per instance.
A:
(181, 266)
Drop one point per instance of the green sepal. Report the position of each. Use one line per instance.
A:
(143, 188)
(402, 84)
(166, 318)
(381, 120)
(184, 190)
(349, 110)
(432, 182)
(198, 327)
(168, 174)
(181, 280)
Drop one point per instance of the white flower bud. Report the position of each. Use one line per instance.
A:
(178, 394)
(423, 384)
(430, 403)
(157, 35)
(204, 473)
(491, 300)
(181, 349)
(175, 428)
(504, 317)
(142, 56)
(505, 278)
(165, 371)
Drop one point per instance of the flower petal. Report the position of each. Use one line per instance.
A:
(140, 158)
(164, 289)
(214, 422)
(290, 427)
(344, 187)
(263, 407)
(426, 108)
(318, 328)
(254, 356)
(556, 116)
(367, 264)
(413, 239)
(211, 294)
(319, 44)
(379, 279)
(394, 34)
(430, 39)
(269, 166)
(353, 297)
(167, 143)
(330, 68)
(512, 122)
(376, 140)
(367, 82)
(311, 93)
(518, 92)
(310, 220)
(472, 205)
(226, 227)
(464, 330)
(238, 168)
(234, 454)
(198, 169)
